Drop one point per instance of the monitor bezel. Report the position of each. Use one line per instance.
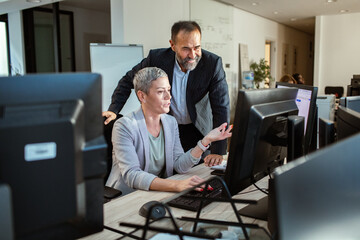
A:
(349, 117)
(240, 174)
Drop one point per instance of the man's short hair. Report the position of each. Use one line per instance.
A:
(144, 77)
(187, 26)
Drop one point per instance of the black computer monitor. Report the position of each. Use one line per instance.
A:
(259, 137)
(306, 102)
(326, 132)
(354, 88)
(352, 102)
(317, 196)
(347, 123)
(53, 154)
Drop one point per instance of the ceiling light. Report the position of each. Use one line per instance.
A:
(255, 4)
(275, 12)
(292, 19)
(331, 1)
(344, 11)
(33, 1)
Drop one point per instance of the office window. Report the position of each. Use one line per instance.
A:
(4, 47)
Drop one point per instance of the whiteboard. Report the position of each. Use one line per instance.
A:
(216, 22)
(113, 61)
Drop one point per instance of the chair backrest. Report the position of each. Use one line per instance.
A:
(107, 135)
(338, 91)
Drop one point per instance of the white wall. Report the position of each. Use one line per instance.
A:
(148, 22)
(253, 31)
(144, 22)
(337, 50)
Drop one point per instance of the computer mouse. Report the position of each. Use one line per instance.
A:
(157, 212)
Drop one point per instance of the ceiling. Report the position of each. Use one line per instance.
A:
(299, 14)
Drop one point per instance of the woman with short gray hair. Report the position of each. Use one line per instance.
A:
(146, 143)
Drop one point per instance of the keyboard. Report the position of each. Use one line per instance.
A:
(194, 204)
(221, 166)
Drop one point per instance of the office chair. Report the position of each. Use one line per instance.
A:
(109, 193)
(338, 91)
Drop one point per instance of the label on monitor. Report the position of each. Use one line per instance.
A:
(40, 151)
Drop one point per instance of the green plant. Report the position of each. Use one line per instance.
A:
(261, 72)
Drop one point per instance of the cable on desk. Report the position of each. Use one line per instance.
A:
(260, 189)
(250, 191)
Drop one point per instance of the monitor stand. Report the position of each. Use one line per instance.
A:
(264, 210)
(258, 211)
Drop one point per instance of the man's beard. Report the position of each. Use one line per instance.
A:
(189, 66)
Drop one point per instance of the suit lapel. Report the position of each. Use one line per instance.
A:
(168, 66)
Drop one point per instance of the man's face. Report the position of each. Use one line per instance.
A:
(187, 48)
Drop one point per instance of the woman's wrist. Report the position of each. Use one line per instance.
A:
(203, 146)
(205, 142)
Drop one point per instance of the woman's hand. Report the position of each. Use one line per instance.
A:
(217, 134)
(189, 183)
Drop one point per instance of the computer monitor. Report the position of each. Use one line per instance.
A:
(306, 102)
(347, 123)
(354, 88)
(326, 132)
(352, 102)
(259, 137)
(53, 154)
(317, 196)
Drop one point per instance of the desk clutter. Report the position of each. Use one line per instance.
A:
(224, 229)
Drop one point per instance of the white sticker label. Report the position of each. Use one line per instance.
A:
(40, 151)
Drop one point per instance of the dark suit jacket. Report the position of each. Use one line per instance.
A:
(206, 82)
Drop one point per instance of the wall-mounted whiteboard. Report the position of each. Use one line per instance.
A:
(112, 61)
(216, 22)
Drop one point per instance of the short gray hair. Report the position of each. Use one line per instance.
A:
(144, 77)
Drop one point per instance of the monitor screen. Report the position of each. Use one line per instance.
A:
(347, 122)
(259, 137)
(306, 102)
(53, 154)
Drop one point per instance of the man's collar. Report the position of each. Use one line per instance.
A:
(178, 66)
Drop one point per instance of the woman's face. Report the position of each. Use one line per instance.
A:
(158, 98)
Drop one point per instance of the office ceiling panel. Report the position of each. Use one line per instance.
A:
(299, 14)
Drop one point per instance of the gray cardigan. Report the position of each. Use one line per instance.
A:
(131, 152)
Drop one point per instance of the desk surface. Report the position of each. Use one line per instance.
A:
(125, 208)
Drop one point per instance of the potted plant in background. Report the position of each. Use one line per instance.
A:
(262, 75)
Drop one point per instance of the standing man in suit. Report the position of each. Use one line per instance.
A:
(200, 98)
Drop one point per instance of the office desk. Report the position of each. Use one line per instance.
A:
(125, 209)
